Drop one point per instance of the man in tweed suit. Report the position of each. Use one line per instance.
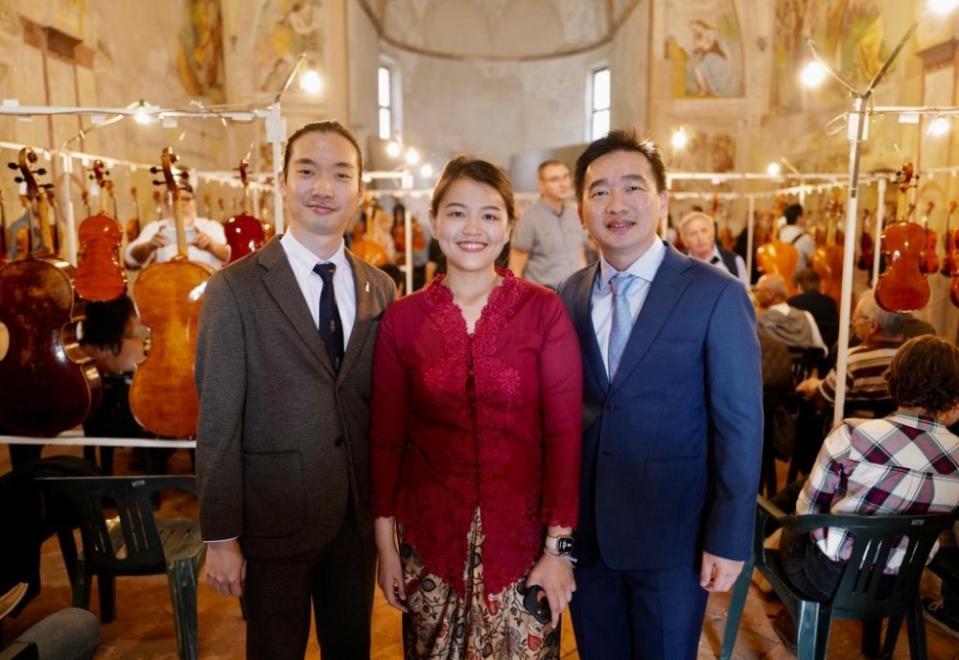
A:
(283, 368)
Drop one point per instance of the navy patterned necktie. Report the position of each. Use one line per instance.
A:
(622, 323)
(331, 329)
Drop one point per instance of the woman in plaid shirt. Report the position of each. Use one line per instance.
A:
(906, 463)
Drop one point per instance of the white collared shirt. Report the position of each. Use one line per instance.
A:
(644, 269)
(302, 261)
(716, 259)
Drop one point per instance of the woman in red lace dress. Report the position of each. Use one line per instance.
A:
(475, 441)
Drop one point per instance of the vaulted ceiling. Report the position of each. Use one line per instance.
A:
(497, 29)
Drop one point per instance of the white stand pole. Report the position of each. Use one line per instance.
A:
(860, 118)
(877, 243)
(408, 237)
(276, 135)
(65, 206)
(750, 236)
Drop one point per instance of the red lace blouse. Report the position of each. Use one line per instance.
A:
(489, 420)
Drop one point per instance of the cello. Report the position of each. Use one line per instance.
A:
(244, 233)
(48, 384)
(133, 224)
(827, 259)
(948, 263)
(776, 257)
(928, 260)
(903, 286)
(364, 246)
(867, 247)
(169, 295)
(99, 275)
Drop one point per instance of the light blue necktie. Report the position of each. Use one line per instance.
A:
(622, 321)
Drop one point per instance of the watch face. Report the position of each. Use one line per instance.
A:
(564, 545)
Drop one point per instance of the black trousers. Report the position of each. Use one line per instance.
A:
(339, 584)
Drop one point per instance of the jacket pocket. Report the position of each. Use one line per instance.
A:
(273, 493)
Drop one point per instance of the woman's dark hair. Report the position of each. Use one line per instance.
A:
(620, 141)
(480, 171)
(925, 374)
(106, 322)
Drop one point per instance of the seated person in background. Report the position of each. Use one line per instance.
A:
(776, 318)
(698, 232)
(821, 306)
(880, 336)
(205, 238)
(909, 457)
(108, 335)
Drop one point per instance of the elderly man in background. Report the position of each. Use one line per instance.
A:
(776, 318)
(698, 231)
(881, 334)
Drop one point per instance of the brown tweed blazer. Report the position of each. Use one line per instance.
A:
(282, 438)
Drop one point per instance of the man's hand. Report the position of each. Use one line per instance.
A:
(808, 387)
(718, 573)
(555, 576)
(202, 241)
(225, 567)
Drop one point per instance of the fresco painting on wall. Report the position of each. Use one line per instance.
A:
(853, 35)
(705, 152)
(704, 44)
(200, 50)
(286, 29)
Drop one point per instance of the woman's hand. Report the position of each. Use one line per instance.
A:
(389, 572)
(555, 575)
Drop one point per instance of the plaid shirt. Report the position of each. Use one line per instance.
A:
(901, 464)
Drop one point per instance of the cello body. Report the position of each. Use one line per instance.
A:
(99, 276)
(903, 287)
(244, 235)
(779, 258)
(49, 384)
(163, 395)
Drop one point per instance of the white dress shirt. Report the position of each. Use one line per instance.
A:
(644, 269)
(302, 261)
(716, 259)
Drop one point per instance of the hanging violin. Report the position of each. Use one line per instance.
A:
(775, 257)
(169, 296)
(867, 247)
(827, 258)
(928, 261)
(948, 264)
(133, 224)
(99, 275)
(48, 384)
(903, 286)
(244, 233)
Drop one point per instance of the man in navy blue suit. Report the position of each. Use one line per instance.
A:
(672, 431)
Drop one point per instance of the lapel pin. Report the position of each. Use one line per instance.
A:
(367, 287)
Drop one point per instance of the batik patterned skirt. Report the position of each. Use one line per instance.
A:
(442, 624)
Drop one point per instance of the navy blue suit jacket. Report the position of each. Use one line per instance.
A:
(672, 447)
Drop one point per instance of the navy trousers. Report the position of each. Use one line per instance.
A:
(649, 615)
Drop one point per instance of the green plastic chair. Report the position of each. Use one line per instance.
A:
(135, 542)
(858, 595)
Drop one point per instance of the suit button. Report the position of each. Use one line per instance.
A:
(610, 406)
(339, 441)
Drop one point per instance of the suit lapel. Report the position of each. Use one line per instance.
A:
(583, 310)
(282, 285)
(664, 292)
(364, 312)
